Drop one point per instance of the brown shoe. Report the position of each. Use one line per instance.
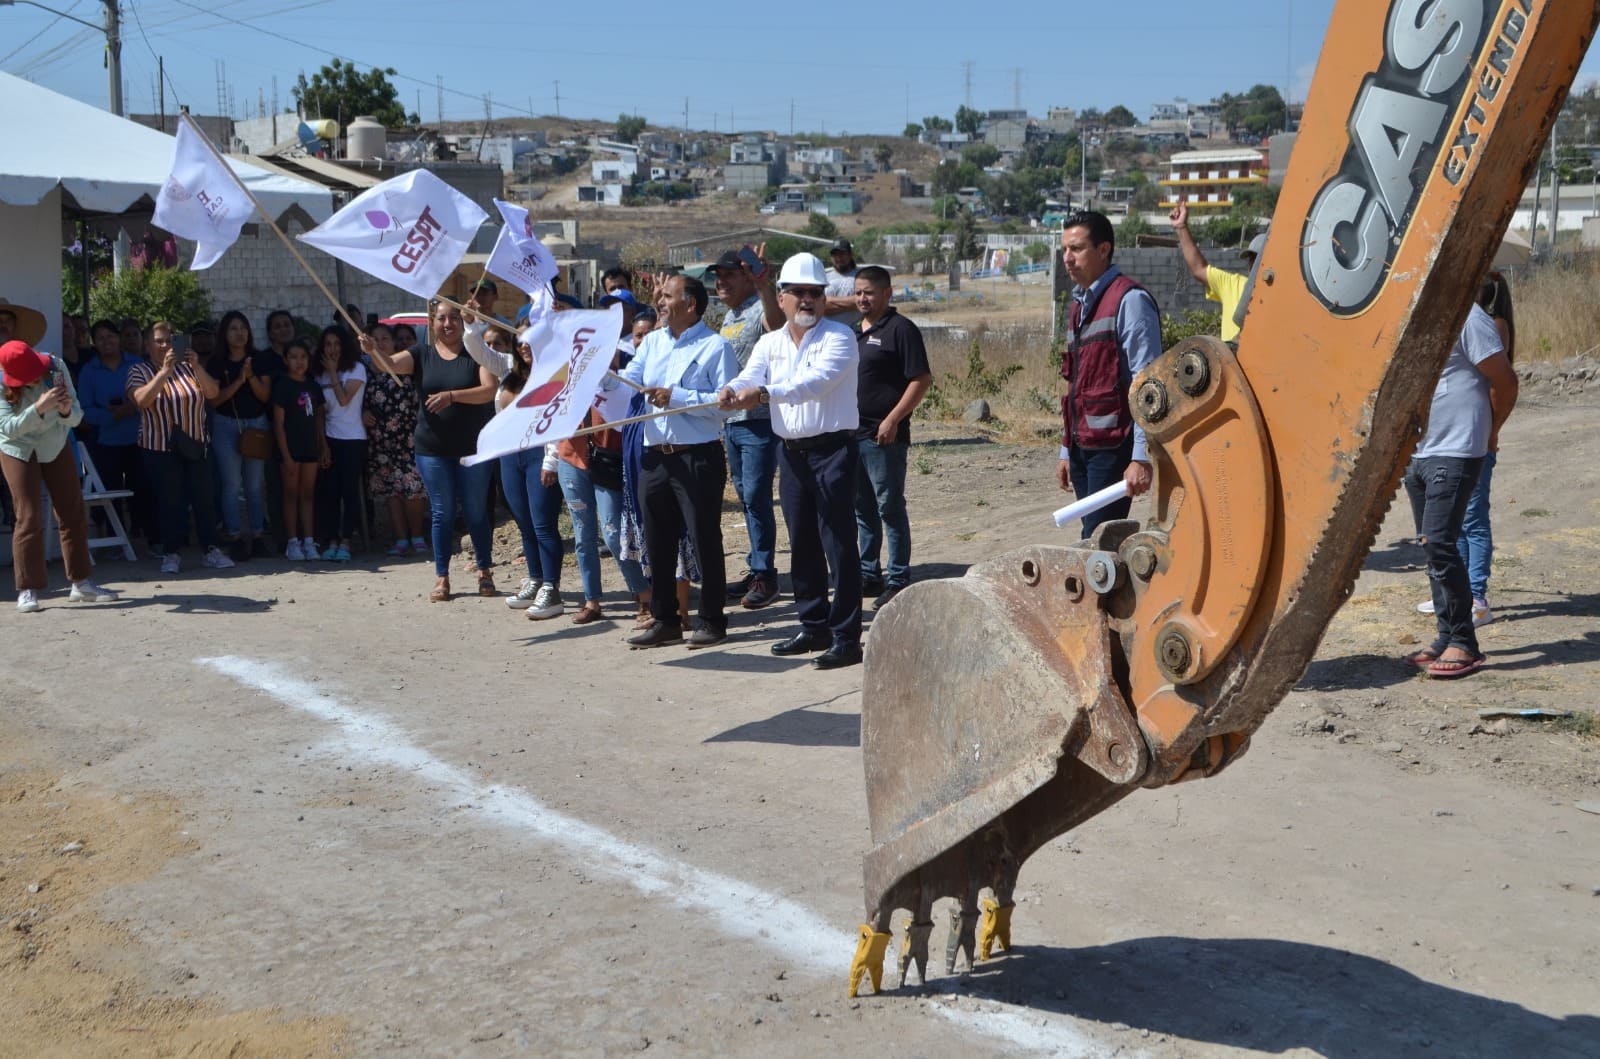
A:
(441, 591)
(486, 584)
(590, 611)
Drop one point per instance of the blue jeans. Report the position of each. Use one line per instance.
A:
(1439, 488)
(1091, 470)
(237, 473)
(536, 509)
(596, 511)
(1476, 542)
(752, 462)
(447, 481)
(881, 512)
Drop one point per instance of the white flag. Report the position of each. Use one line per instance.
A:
(411, 231)
(580, 340)
(201, 200)
(519, 257)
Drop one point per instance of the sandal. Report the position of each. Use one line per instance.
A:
(1422, 659)
(590, 611)
(441, 591)
(486, 584)
(1454, 668)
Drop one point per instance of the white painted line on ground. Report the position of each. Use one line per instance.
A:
(739, 909)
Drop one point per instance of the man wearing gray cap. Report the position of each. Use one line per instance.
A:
(841, 307)
(1224, 287)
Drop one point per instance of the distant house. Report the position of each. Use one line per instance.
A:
(755, 162)
(1206, 180)
(600, 194)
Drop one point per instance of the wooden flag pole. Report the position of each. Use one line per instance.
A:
(641, 419)
(288, 244)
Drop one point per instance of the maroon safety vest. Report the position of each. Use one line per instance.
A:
(1095, 409)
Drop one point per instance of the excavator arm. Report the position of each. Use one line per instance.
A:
(1003, 708)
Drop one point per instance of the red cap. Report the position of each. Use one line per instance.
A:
(22, 365)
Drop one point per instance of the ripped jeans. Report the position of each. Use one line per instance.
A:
(596, 510)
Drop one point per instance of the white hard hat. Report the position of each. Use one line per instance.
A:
(803, 270)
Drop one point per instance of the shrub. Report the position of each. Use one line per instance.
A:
(149, 294)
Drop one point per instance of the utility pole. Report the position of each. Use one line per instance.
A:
(966, 70)
(791, 117)
(558, 99)
(685, 116)
(114, 58)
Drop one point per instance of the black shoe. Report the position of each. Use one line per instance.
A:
(888, 594)
(762, 591)
(658, 634)
(871, 586)
(259, 549)
(801, 643)
(740, 587)
(838, 656)
(706, 635)
(239, 550)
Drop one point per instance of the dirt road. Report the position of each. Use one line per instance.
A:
(319, 816)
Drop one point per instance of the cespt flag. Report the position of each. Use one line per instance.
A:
(582, 342)
(201, 200)
(518, 256)
(411, 231)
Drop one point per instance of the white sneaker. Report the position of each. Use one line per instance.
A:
(1481, 614)
(294, 553)
(547, 604)
(1425, 607)
(89, 592)
(169, 563)
(526, 593)
(309, 548)
(216, 560)
(27, 601)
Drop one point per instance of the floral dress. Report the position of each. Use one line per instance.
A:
(391, 457)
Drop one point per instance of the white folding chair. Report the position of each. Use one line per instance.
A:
(95, 494)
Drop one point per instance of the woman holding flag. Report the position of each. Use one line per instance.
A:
(454, 402)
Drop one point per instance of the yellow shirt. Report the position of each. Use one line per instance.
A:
(1226, 288)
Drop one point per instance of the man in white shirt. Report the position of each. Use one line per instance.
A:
(806, 371)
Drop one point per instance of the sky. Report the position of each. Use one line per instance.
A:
(863, 69)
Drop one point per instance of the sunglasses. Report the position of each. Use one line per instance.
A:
(804, 292)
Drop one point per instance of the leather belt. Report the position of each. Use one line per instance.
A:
(668, 450)
(831, 440)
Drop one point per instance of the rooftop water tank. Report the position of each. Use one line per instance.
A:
(366, 139)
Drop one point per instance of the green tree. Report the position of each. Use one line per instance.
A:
(965, 231)
(341, 91)
(821, 226)
(1260, 111)
(150, 294)
(1133, 225)
(980, 154)
(629, 126)
(937, 124)
(883, 154)
(968, 120)
(1120, 117)
(912, 131)
(945, 206)
(1037, 251)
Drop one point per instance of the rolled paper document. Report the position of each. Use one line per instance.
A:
(1093, 502)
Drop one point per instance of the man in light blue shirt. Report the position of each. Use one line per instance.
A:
(683, 469)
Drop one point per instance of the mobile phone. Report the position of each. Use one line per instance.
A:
(49, 378)
(748, 255)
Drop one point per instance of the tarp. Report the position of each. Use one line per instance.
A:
(106, 164)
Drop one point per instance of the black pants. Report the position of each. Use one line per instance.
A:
(122, 467)
(818, 492)
(677, 492)
(339, 490)
(182, 486)
(1440, 488)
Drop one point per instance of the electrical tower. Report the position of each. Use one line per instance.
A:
(966, 72)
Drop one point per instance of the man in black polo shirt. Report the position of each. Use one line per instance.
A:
(893, 378)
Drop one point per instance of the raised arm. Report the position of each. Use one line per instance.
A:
(1192, 257)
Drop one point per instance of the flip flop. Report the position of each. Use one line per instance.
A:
(1422, 659)
(1453, 669)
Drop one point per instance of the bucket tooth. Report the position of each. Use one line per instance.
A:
(914, 951)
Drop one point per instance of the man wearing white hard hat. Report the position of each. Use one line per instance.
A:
(1223, 287)
(806, 371)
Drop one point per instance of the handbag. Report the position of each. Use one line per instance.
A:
(188, 449)
(605, 466)
(255, 443)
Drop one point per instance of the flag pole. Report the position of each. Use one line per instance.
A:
(495, 321)
(288, 244)
(640, 419)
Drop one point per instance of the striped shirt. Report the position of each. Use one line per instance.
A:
(179, 404)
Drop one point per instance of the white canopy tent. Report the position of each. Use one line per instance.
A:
(65, 160)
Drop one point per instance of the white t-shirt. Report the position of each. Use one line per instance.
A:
(1459, 419)
(344, 421)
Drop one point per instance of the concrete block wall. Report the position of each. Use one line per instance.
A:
(258, 275)
(1161, 269)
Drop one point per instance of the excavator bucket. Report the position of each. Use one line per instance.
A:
(1006, 707)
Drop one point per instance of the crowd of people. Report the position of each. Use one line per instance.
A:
(235, 443)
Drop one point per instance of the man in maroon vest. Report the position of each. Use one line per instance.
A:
(1115, 330)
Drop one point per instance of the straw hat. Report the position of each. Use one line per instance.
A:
(30, 322)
